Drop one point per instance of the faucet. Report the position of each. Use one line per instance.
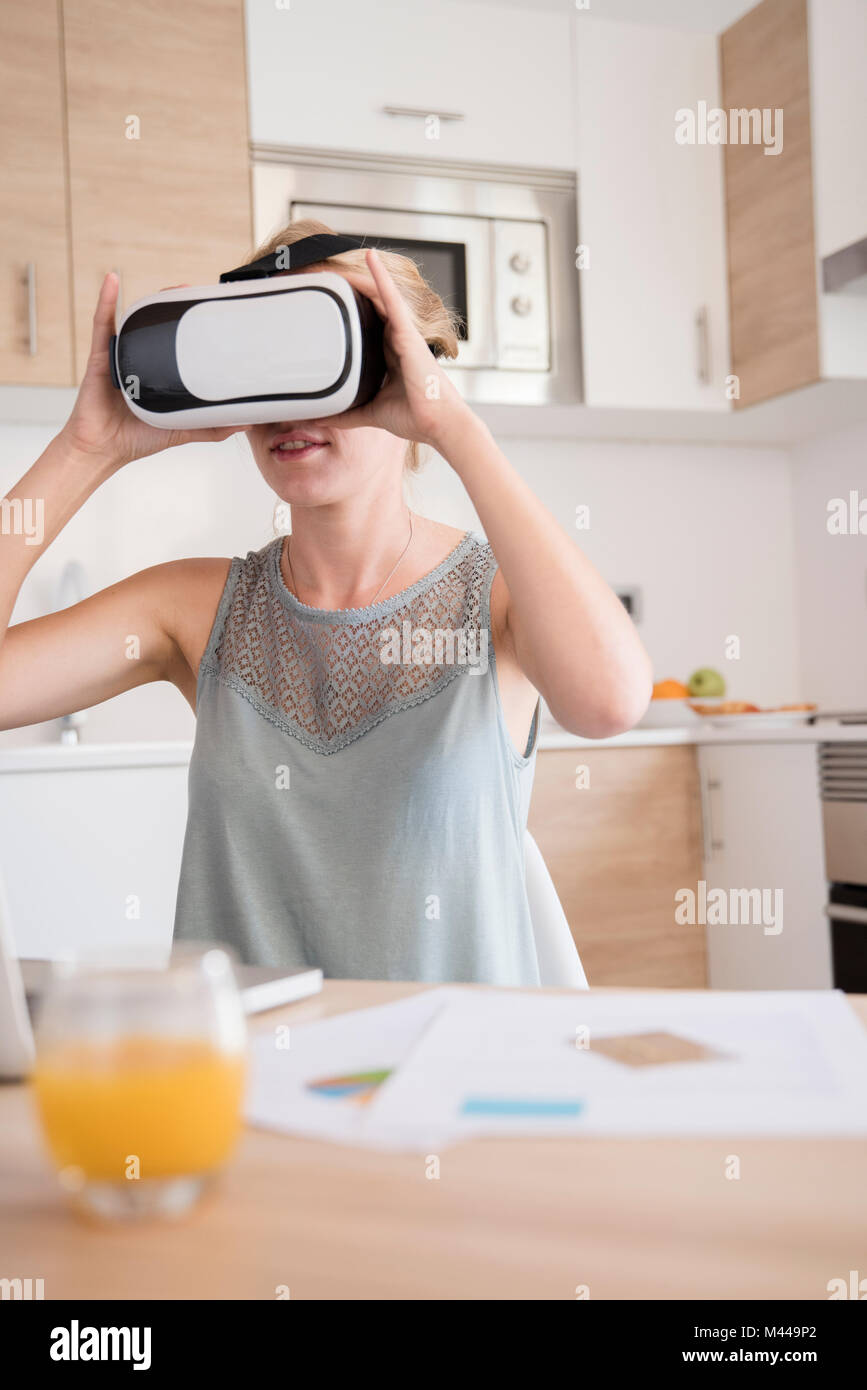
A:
(71, 588)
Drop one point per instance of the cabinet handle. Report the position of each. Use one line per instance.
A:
(702, 341)
(30, 281)
(705, 820)
(711, 845)
(422, 113)
(847, 912)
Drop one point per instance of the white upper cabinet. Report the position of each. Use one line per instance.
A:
(838, 98)
(651, 215)
(838, 92)
(322, 75)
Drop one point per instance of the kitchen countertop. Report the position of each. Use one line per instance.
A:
(703, 731)
(80, 757)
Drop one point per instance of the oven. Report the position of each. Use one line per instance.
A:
(843, 771)
(497, 244)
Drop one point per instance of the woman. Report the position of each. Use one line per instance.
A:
(366, 689)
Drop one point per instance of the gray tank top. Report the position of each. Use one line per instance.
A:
(355, 801)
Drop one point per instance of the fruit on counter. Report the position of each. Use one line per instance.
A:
(706, 684)
(727, 707)
(669, 690)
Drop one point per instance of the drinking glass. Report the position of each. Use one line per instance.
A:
(139, 1079)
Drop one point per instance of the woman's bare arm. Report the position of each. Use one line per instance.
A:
(150, 627)
(133, 632)
(570, 634)
(559, 628)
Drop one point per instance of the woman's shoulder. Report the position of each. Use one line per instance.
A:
(199, 575)
(444, 543)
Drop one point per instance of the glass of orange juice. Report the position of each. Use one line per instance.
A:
(139, 1079)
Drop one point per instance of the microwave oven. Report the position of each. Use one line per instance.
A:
(497, 243)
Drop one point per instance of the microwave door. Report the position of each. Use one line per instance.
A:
(455, 255)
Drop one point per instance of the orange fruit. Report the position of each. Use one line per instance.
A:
(669, 690)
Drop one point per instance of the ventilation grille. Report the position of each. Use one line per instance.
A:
(843, 771)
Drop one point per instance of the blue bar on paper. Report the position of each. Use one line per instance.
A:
(504, 1105)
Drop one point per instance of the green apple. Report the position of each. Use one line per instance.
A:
(706, 684)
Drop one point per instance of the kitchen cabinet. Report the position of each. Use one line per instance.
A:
(785, 212)
(35, 300)
(838, 52)
(769, 205)
(126, 150)
(620, 831)
(91, 848)
(498, 76)
(763, 831)
(158, 149)
(651, 217)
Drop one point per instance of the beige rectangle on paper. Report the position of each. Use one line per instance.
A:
(652, 1049)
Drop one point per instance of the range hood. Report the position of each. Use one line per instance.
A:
(846, 271)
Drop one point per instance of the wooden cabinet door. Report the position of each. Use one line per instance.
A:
(618, 850)
(158, 147)
(35, 292)
(773, 294)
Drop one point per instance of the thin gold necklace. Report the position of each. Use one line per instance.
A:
(385, 580)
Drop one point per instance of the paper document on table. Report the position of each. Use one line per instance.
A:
(636, 1063)
(318, 1079)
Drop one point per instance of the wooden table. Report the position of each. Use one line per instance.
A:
(512, 1218)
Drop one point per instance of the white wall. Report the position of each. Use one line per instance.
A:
(831, 571)
(706, 532)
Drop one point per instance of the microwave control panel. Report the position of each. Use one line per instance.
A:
(522, 329)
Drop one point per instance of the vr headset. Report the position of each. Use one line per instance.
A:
(253, 349)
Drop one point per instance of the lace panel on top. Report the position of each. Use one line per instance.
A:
(321, 676)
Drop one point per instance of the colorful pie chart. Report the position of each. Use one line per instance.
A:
(357, 1089)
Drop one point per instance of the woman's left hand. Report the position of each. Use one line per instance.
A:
(417, 401)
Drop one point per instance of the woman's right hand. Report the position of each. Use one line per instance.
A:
(101, 425)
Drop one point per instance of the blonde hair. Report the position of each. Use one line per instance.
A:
(437, 324)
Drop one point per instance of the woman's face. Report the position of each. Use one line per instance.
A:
(311, 464)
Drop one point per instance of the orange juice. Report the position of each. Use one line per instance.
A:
(171, 1102)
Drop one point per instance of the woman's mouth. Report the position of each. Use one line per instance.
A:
(297, 446)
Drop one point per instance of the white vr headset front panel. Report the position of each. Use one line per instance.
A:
(251, 338)
(253, 347)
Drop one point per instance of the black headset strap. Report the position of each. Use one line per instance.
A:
(309, 250)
